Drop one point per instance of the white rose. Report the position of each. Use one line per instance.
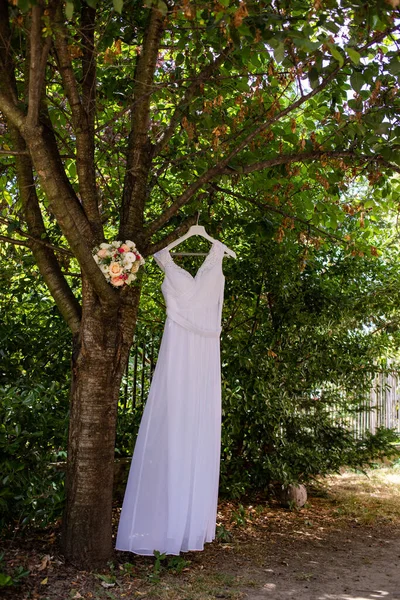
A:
(105, 246)
(129, 257)
(142, 261)
(130, 244)
(104, 269)
(116, 244)
(131, 278)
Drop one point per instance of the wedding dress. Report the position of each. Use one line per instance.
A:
(170, 502)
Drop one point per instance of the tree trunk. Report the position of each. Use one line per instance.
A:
(100, 354)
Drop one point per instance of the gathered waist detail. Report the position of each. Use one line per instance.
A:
(191, 327)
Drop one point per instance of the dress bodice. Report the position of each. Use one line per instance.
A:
(192, 301)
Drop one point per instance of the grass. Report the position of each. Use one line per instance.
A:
(205, 586)
(370, 498)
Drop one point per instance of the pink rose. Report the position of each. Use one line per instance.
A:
(125, 248)
(102, 253)
(115, 269)
(117, 281)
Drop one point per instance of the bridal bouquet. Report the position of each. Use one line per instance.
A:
(119, 262)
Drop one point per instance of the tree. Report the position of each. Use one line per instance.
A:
(123, 123)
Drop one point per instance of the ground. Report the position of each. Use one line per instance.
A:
(344, 545)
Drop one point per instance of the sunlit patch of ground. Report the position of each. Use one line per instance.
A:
(370, 497)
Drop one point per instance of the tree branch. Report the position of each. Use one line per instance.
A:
(140, 149)
(386, 163)
(10, 110)
(204, 74)
(269, 208)
(36, 240)
(285, 159)
(66, 208)
(43, 253)
(37, 64)
(82, 110)
(171, 237)
(87, 30)
(4, 238)
(14, 153)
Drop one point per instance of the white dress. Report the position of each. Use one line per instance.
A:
(170, 502)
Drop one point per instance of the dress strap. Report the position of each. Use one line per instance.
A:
(162, 258)
(191, 327)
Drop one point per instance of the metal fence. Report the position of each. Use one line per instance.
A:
(381, 409)
(139, 371)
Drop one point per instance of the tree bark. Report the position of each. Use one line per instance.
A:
(100, 355)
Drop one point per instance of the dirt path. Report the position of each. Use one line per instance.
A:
(344, 545)
(362, 565)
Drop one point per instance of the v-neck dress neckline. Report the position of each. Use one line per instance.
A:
(202, 266)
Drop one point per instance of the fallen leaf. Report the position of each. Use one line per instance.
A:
(44, 581)
(45, 562)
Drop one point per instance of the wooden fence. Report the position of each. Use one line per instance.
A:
(384, 404)
(380, 409)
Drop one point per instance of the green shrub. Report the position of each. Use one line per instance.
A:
(33, 425)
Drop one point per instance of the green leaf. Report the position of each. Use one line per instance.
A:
(337, 55)
(118, 5)
(354, 55)
(279, 52)
(5, 580)
(69, 10)
(7, 196)
(11, 227)
(24, 5)
(71, 169)
(357, 81)
(383, 128)
(313, 77)
(162, 7)
(333, 27)
(394, 66)
(254, 60)
(355, 105)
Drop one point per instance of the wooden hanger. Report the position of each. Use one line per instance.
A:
(196, 230)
